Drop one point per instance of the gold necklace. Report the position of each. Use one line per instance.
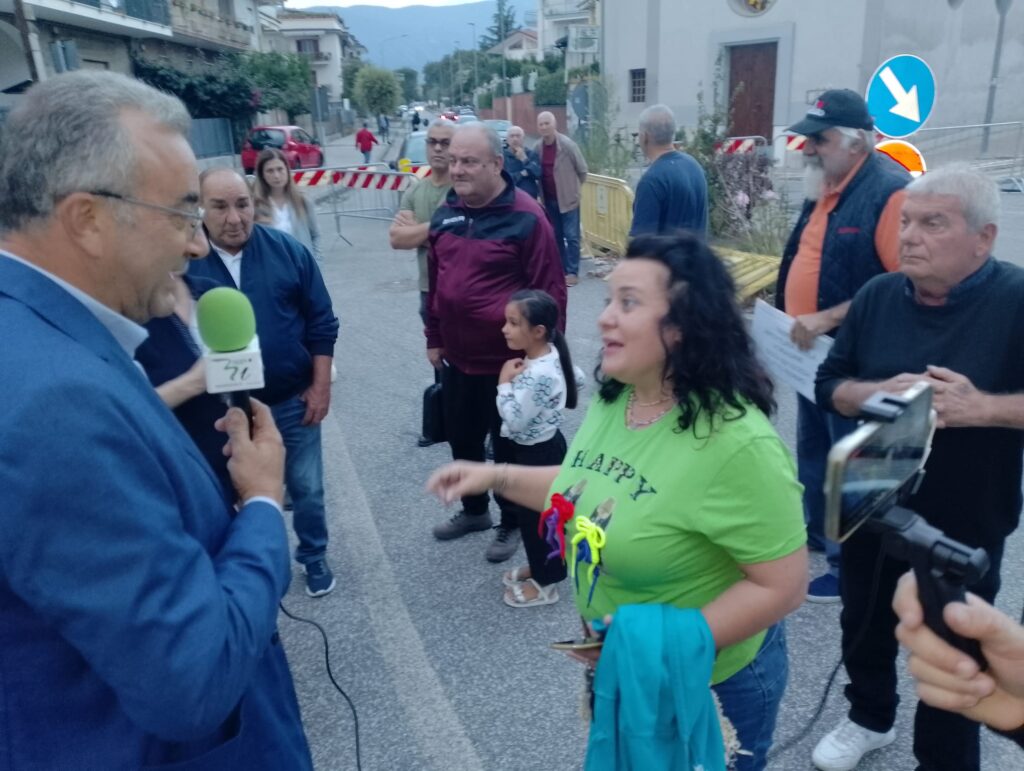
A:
(662, 400)
(632, 422)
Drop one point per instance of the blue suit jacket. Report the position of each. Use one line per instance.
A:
(137, 614)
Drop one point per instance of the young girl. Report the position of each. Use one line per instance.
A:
(279, 204)
(531, 395)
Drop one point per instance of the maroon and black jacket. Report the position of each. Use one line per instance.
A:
(477, 259)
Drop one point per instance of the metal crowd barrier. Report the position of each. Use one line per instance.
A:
(606, 215)
(367, 191)
(606, 212)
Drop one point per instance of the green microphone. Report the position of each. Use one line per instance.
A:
(234, 365)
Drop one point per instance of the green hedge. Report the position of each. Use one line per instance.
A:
(551, 89)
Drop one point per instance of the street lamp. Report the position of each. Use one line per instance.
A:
(504, 77)
(389, 39)
(1002, 6)
(475, 46)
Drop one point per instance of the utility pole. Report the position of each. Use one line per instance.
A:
(454, 71)
(476, 82)
(21, 22)
(504, 77)
(1002, 6)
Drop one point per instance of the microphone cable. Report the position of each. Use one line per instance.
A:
(857, 640)
(330, 674)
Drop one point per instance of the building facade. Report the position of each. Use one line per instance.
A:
(326, 43)
(776, 56)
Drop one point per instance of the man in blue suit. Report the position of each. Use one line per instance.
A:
(137, 610)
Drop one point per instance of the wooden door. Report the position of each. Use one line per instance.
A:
(752, 89)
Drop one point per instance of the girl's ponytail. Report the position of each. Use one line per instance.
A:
(565, 359)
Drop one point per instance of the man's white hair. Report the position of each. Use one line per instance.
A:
(850, 135)
(978, 195)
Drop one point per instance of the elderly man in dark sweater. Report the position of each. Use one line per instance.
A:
(952, 316)
(297, 328)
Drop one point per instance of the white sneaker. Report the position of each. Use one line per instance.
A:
(842, 749)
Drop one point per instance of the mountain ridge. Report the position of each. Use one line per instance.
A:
(430, 31)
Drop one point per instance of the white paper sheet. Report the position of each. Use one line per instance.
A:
(784, 361)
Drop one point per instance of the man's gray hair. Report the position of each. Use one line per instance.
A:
(493, 140)
(978, 195)
(442, 122)
(66, 136)
(850, 135)
(658, 122)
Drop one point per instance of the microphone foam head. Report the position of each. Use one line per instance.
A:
(226, 320)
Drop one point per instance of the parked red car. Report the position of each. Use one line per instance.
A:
(301, 150)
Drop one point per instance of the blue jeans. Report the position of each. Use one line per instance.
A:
(816, 431)
(304, 477)
(567, 236)
(366, 155)
(750, 699)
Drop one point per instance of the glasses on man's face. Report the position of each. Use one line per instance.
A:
(442, 143)
(195, 217)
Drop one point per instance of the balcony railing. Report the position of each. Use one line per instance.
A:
(155, 11)
(316, 56)
(567, 8)
(191, 18)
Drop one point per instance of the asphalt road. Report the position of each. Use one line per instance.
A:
(443, 674)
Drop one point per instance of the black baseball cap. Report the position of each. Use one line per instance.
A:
(837, 107)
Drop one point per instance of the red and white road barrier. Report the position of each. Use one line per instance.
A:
(796, 142)
(737, 146)
(354, 178)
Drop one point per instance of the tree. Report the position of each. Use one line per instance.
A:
(283, 81)
(409, 79)
(377, 90)
(502, 26)
(212, 92)
(349, 73)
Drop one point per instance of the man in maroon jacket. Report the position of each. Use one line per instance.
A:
(487, 240)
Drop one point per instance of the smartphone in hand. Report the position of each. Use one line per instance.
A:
(583, 644)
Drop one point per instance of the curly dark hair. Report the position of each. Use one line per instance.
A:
(713, 368)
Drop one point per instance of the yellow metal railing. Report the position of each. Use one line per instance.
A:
(752, 273)
(606, 214)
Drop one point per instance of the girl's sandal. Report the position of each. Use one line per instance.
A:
(515, 597)
(515, 576)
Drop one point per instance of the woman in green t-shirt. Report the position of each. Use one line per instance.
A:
(680, 491)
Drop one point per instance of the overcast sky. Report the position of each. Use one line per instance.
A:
(381, 3)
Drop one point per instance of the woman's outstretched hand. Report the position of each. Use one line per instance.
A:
(455, 480)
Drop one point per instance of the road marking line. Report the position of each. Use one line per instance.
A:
(430, 715)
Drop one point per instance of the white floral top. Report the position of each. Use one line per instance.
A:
(531, 404)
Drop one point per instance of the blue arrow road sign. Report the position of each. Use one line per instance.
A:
(901, 95)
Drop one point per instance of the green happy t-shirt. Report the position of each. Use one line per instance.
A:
(681, 511)
(422, 199)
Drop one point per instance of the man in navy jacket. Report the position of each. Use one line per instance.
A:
(137, 609)
(297, 330)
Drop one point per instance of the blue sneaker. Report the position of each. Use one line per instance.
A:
(824, 589)
(319, 578)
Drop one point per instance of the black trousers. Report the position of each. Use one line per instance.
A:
(542, 570)
(942, 740)
(470, 414)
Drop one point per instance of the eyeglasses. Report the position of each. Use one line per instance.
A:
(195, 216)
(439, 142)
